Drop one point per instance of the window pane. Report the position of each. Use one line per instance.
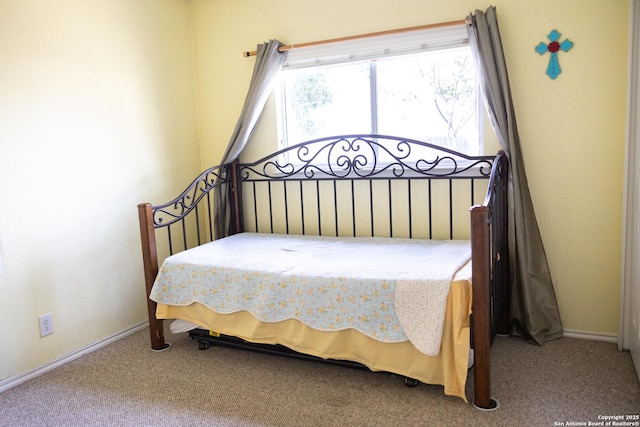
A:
(326, 101)
(431, 97)
(428, 96)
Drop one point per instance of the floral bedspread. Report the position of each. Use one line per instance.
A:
(328, 283)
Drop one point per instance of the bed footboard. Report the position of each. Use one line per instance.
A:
(188, 221)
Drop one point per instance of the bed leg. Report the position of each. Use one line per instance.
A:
(156, 329)
(481, 320)
(150, 260)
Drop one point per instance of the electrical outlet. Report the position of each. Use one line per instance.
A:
(46, 325)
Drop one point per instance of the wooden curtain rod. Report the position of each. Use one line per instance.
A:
(364, 36)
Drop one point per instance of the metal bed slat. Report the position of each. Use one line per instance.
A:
(184, 233)
(353, 208)
(255, 205)
(430, 203)
(335, 204)
(169, 239)
(409, 181)
(450, 208)
(472, 191)
(371, 205)
(209, 210)
(302, 206)
(286, 207)
(270, 206)
(197, 225)
(390, 209)
(318, 204)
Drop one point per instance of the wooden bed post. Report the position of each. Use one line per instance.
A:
(237, 219)
(150, 260)
(481, 308)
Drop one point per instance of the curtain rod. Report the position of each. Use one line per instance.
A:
(364, 36)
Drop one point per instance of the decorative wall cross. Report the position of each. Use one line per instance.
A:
(553, 70)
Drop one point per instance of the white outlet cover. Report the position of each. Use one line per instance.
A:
(46, 325)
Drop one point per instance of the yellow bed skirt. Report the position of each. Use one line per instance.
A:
(449, 368)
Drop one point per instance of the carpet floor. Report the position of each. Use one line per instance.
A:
(126, 384)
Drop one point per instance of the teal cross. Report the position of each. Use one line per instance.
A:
(554, 67)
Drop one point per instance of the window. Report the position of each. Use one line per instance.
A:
(420, 85)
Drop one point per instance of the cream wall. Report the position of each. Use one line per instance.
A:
(97, 114)
(567, 126)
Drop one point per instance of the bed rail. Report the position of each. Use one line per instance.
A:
(355, 185)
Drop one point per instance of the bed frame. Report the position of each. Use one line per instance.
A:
(355, 185)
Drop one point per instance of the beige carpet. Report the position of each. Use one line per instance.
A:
(126, 384)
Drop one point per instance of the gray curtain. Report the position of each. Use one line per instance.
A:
(268, 63)
(534, 309)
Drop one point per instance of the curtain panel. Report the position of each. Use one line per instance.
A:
(534, 309)
(268, 64)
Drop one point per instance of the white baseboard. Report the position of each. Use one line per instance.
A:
(13, 381)
(590, 336)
